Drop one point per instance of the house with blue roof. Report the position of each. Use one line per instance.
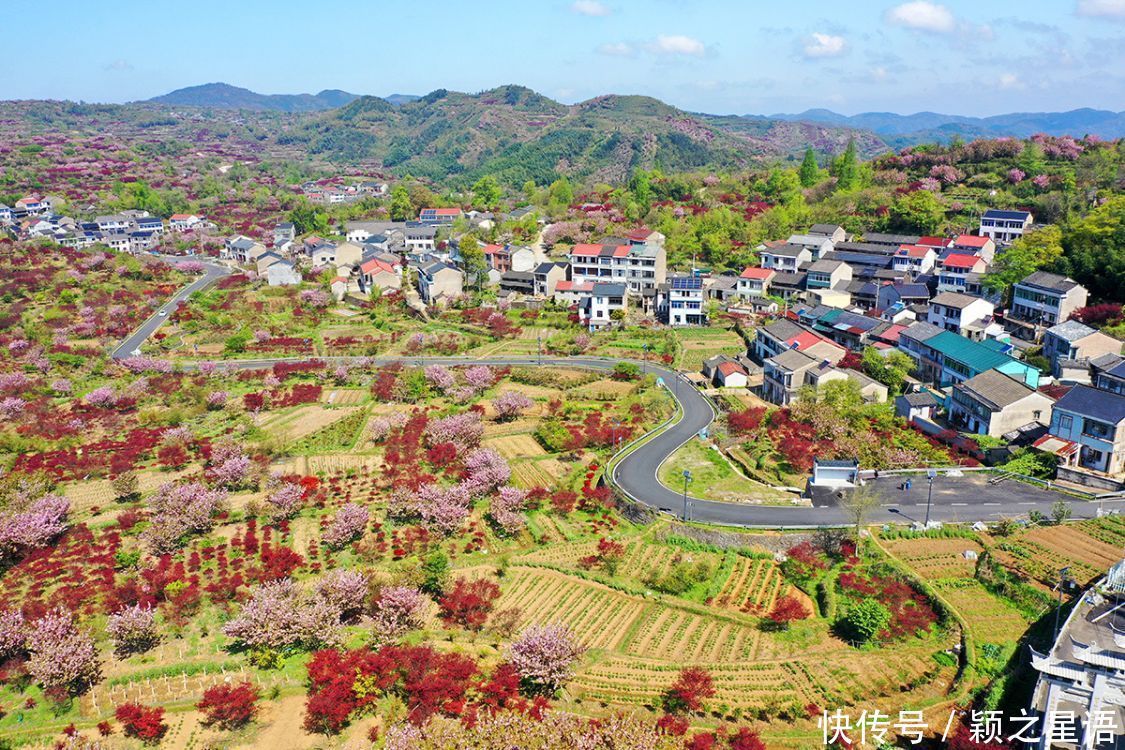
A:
(1004, 227)
(946, 358)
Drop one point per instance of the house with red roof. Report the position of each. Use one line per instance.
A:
(568, 293)
(377, 276)
(435, 216)
(504, 258)
(971, 244)
(955, 269)
(641, 268)
(755, 281)
(915, 259)
(184, 222)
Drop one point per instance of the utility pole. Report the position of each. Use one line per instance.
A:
(929, 496)
(1058, 609)
(687, 481)
(539, 345)
(644, 364)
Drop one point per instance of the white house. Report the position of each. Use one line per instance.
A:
(183, 222)
(282, 273)
(596, 309)
(962, 314)
(1004, 227)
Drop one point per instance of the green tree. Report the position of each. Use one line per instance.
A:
(472, 255)
(435, 572)
(784, 187)
(308, 219)
(1095, 250)
(890, 369)
(560, 193)
(401, 208)
(486, 192)
(810, 170)
(1041, 248)
(920, 212)
(866, 619)
(858, 504)
(640, 186)
(847, 168)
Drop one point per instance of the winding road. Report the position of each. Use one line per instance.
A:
(955, 499)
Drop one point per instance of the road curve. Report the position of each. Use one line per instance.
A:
(636, 474)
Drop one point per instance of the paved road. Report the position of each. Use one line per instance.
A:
(962, 499)
(212, 273)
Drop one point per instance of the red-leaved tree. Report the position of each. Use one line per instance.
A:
(692, 687)
(468, 603)
(146, 723)
(228, 706)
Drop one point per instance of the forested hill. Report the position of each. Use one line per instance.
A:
(517, 135)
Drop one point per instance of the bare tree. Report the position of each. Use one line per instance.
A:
(858, 504)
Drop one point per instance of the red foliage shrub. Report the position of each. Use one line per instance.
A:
(469, 603)
(228, 706)
(787, 610)
(748, 420)
(692, 687)
(143, 722)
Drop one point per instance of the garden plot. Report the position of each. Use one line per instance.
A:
(599, 616)
(343, 396)
(989, 617)
(543, 473)
(936, 559)
(754, 586)
(1072, 542)
(604, 390)
(688, 637)
(303, 421)
(516, 446)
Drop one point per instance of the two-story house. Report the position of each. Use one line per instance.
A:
(827, 274)
(1094, 421)
(1111, 377)
(945, 358)
(680, 301)
(503, 258)
(1044, 299)
(816, 244)
(547, 276)
(915, 259)
(955, 270)
(184, 222)
(785, 257)
(596, 310)
(1071, 341)
(754, 281)
(960, 313)
(993, 403)
(834, 232)
(285, 231)
(903, 295)
(1004, 227)
(439, 283)
(419, 238)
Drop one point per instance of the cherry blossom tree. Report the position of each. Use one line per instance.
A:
(487, 470)
(345, 591)
(479, 377)
(506, 507)
(61, 658)
(510, 404)
(441, 508)
(103, 397)
(230, 466)
(396, 611)
(32, 526)
(349, 523)
(284, 499)
(545, 654)
(439, 377)
(217, 400)
(13, 633)
(179, 510)
(463, 430)
(276, 617)
(132, 630)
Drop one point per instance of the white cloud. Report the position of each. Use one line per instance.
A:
(589, 8)
(677, 44)
(1102, 8)
(923, 16)
(818, 44)
(616, 49)
(1011, 81)
(118, 65)
(879, 73)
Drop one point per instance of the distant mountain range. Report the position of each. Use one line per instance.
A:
(225, 96)
(930, 126)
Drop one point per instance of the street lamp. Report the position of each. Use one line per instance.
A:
(929, 495)
(644, 365)
(687, 481)
(539, 345)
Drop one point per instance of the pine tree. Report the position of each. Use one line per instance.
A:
(847, 168)
(810, 171)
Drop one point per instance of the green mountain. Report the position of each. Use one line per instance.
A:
(517, 135)
(225, 96)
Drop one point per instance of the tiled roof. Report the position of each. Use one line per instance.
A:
(1051, 281)
(1104, 406)
(995, 389)
(753, 272)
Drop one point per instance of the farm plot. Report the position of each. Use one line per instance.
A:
(753, 586)
(840, 680)
(303, 421)
(1036, 561)
(989, 618)
(698, 344)
(689, 637)
(343, 396)
(1072, 542)
(935, 559)
(598, 615)
(542, 473)
(516, 446)
(604, 390)
(1108, 529)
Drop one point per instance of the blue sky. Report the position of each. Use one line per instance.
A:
(974, 57)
